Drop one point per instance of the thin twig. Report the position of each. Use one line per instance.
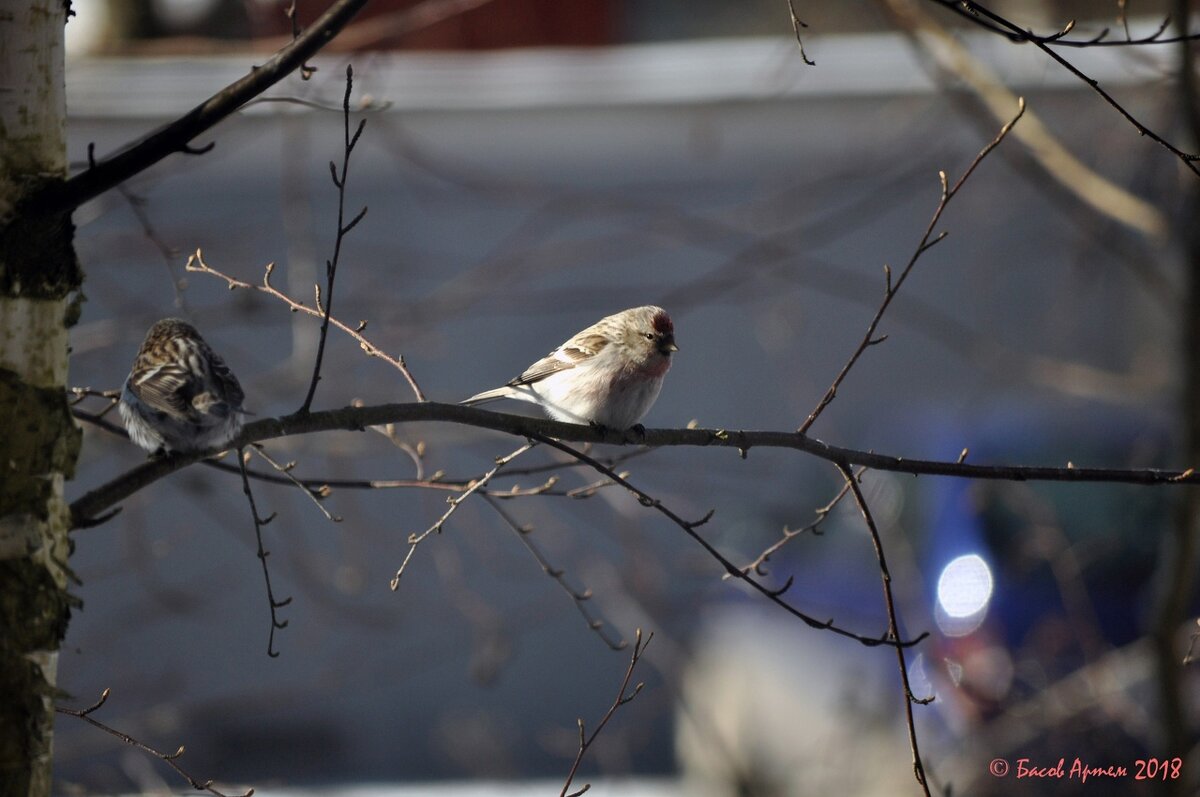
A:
(364, 106)
(1123, 18)
(171, 759)
(169, 253)
(992, 21)
(893, 625)
(558, 574)
(623, 696)
(339, 181)
(455, 501)
(797, 24)
(689, 527)
(196, 263)
(414, 452)
(928, 240)
(953, 61)
(112, 396)
(80, 393)
(789, 534)
(286, 473)
(263, 553)
(550, 467)
(1058, 39)
(306, 70)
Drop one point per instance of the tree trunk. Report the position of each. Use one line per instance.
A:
(39, 442)
(1179, 551)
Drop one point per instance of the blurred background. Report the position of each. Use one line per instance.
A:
(532, 165)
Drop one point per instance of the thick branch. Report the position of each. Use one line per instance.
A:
(96, 501)
(175, 137)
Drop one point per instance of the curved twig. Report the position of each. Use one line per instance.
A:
(990, 20)
(171, 759)
(558, 574)
(893, 625)
(814, 526)
(689, 528)
(623, 696)
(196, 263)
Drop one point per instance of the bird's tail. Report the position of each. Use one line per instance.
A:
(488, 395)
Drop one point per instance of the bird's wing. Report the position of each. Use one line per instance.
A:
(578, 349)
(228, 387)
(167, 387)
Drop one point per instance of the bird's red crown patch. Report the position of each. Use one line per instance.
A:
(662, 323)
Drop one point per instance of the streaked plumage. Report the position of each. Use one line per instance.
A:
(608, 374)
(180, 395)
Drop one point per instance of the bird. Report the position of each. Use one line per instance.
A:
(607, 375)
(180, 396)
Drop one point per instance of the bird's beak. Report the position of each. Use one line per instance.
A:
(671, 346)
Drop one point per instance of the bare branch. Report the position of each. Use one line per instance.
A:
(112, 396)
(286, 474)
(61, 197)
(758, 565)
(339, 180)
(196, 263)
(171, 759)
(893, 287)
(893, 625)
(797, 24)
(992, 21)
(306, 70)
(169, 253)
(455, 501)
(623, 696)
(689, 528)
(580, 598)
(319, 488)
(263, 553)
(121, 487)
(951, 57)
(1018, 36)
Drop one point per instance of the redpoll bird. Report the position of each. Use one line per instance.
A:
(180, 396)
(608, 375)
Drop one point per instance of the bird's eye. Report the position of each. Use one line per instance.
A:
(648, 335)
